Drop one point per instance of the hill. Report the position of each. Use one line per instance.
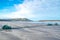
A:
(16, 19)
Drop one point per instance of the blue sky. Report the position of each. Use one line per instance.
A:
(32, 9)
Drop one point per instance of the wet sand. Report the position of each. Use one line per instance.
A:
(30, 31)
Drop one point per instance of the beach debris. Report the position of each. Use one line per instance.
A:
(6, 27)
(56, 24)
(49, 24)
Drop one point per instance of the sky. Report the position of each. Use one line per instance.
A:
(31, 9)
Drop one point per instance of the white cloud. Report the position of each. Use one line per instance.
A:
(34, 9)
(29, 9)
(24, 10)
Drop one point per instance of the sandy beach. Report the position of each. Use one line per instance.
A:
(29, 31)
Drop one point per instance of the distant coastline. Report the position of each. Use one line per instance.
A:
(16, 19)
